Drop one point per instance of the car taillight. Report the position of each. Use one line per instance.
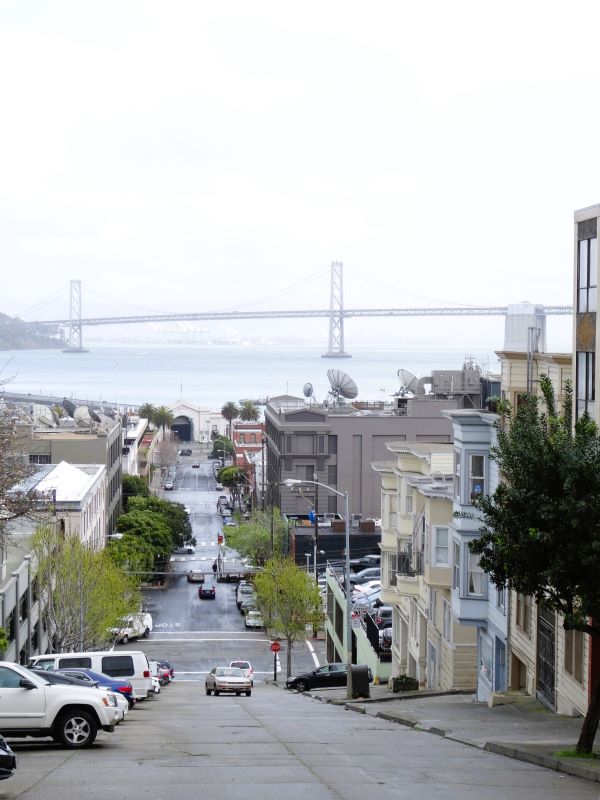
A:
(124, 689)
(147, 673)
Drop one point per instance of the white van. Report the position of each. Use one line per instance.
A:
(130, 664)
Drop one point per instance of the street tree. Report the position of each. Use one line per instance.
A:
(147, 411)
(133, 486)
(163, 418)
(173, 514)
(541, 527)
(222, 444)
(288, 600)
(234, 479)
(248, 411)
(16, 500)
(83, 592)
(152, 528)
(259, 538)
(230, 411)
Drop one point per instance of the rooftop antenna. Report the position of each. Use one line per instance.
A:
(408, 382)
(308, 392)
(342, 386)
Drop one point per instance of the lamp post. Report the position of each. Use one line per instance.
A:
(348, 627)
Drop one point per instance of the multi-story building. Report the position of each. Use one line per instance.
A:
(475, 601)
(585, 300)
(97, 444)
(338, 443)
(134, 455)
(416, 509)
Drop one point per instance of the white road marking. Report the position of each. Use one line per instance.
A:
(313, 654)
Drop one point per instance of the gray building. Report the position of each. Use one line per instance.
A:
(339, 442)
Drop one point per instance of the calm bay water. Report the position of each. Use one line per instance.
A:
(211, 375)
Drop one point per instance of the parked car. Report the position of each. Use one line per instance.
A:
(186, 451)
(135, 626)
(244, 590)
(162, 673)
(367, 599)
(195, 466)
(248, 604)
(321, 678)
(118, 685)
(246, 668)
(358, 564)
(8, 760)
(168, 486)
(254, 620)
(207, 590)
(367, 587)
(187, 548)
(72, 715)
(368, 574)
(382, 615)
(168, 666)
(219, 487)
(228, 679)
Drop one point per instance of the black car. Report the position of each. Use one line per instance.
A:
(207, 590)
(8, 760)
(356, 564)
(321, 678)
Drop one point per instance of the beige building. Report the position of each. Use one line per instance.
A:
(416, 512)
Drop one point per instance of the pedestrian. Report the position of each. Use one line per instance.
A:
(214, 567)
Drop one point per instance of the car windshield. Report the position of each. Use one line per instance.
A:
(240, 664)
(229, 672)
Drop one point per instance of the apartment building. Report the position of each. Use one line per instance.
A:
(416, 513)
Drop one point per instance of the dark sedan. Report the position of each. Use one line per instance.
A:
(321, 678)
(207, 590)
(8, 760)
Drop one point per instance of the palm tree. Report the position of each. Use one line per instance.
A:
(249, 411)
(147, 411)
(163, 418)
(230, 411)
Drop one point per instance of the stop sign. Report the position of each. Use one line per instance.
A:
(275, 647)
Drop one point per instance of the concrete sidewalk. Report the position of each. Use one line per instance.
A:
(524, 730)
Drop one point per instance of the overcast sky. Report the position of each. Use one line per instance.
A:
(199, 156)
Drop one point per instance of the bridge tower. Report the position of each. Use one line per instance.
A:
(336, 313)
(75, 339)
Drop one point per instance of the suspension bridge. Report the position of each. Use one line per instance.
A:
(71, 329)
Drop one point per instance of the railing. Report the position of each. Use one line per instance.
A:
(375, 640)
(410, 563)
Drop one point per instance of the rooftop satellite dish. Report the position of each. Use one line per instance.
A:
(408, 381)
(69, 407)
(342, 385)
(82, 417)
(95, 416)
(308, 390)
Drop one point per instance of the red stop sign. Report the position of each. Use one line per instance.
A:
(275, 647)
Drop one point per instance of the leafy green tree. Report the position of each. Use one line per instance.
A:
(4, 641)
(147, 411)
(174, 515)
(249, 412)
(288, 600)
(84, 592)
(133, 554)
(541, 527)
(222, 443)
(133, 486)
(230, 411)
(234, 478)
(151, 527)
(259, 538)
(163, 418)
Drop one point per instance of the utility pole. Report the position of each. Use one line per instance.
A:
(316, 537)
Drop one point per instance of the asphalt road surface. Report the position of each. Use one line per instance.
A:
(276, 744)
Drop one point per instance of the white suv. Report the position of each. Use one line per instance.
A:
(71, 715)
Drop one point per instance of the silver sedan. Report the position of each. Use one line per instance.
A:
(228, 679)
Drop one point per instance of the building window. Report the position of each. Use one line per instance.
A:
(242, 438)
(456, 567)
(523, 613)
(332, 474)
(587, 265)
(475, 578)
(574, 654)
(440, 546)
(447, 621)
(39, 458)
(432, 605)
(331, 504)
(288, 444)
(501, 598)
(586, 382)
(414, 627)
(409, 504)
(457, 475)
(476, 475)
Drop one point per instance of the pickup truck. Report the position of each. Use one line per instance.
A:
(133, 627)
(71, 715)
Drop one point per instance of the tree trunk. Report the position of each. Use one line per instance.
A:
(590, 723)
(289, 658)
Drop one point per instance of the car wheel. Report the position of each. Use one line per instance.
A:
(301, 686)
(207, 691)
(76, 729)
(248, 694)
(216, 692)
(237, 694)
(146, 633)
(125, 639)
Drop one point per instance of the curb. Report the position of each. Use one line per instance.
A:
(541, 760)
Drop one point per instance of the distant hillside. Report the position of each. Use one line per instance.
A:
(14, 337)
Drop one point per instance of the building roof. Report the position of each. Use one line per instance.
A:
(70, 482)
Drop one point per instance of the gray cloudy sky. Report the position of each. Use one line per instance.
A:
(195, 155)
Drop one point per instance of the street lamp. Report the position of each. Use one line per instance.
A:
(348, 627)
